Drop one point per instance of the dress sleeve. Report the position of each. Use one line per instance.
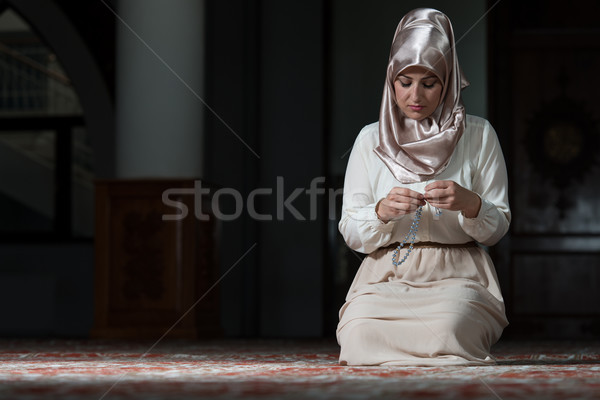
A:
(490, 182)
(359, 225)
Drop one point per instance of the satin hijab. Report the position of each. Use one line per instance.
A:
(415, 151)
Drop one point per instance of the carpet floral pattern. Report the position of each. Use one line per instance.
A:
(283, 370)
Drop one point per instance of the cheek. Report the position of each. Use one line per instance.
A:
(436, 96)
(400, 94)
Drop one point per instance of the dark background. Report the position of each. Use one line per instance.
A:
(297, 80)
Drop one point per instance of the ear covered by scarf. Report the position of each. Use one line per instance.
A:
(415, 151)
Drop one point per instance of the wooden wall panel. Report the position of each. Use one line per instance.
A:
(150, 272)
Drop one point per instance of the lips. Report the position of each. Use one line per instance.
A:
(416, 108)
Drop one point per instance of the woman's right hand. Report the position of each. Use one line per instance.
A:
(398, 201)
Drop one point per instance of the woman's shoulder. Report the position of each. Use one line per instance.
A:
(479, 134)
(368, 136)
(369, 130)
(475, 123)
(478, 129)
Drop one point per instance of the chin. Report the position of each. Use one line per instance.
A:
(418, 117)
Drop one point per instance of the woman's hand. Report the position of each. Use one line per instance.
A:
(398, 201)
(450, 195)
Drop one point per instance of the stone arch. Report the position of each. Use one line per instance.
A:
(58, 33)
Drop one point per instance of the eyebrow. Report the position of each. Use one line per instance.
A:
(427, 77)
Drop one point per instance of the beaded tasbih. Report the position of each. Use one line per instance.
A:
(412, 235)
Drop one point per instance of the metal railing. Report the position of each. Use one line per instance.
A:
(37, 96)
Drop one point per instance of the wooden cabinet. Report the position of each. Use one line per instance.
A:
(154, 266)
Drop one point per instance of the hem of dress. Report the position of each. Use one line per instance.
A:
(426, 362)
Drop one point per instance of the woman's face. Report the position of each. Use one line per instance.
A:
(418, 92)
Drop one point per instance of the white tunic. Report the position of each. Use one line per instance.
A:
(443, 305)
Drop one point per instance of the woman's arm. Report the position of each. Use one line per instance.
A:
(484, 213)
(490, 182)
(360, 225)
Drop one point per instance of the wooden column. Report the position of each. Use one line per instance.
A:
(149, 271)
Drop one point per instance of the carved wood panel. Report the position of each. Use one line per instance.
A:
(556, 134)
(150, 272)
(544, 63)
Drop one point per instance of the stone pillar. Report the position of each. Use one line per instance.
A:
(159, 67)
(151, 271)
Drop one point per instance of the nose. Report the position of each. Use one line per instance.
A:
(416, 93)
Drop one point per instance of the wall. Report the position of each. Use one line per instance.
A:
(46, 289)
(265, 79)
(294, 82)
(46, 286)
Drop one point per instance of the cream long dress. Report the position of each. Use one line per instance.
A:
(442, 306)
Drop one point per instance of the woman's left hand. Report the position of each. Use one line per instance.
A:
(449, 195)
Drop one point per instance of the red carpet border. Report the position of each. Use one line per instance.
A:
(283, 370)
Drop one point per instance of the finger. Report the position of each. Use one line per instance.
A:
(406, 199)
(407, 205)
(437, 185)
(403, 208)
(438, 204)
(436, 194)
(406, 192)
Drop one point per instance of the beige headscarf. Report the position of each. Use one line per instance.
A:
(416, 151)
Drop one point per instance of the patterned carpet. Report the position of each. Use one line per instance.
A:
(282, 370)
